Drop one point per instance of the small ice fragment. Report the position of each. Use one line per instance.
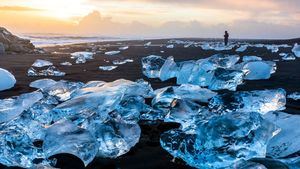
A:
(287, 141)
(251, 58)
(170, 46)
(41, 63)
(121, 62)
(110, 53)
(294, 96)
(42, 83)
(66, 137)
(242, 48)
(296, 50)
(107, 68)
(261, 101)
(124, 48)
(147, 44)
(288, 57)
(152, 65)
(66, 64)
(50, 71)
(7, 80)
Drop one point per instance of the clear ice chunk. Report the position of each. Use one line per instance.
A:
(294, 96)
(242, 48)
(12, 108)
(41, 63)
(287, 141)
(258, 70)
(66, 64)
(296, 50)
(226, 79)
(124, 48)
(221, 142)
(261, 101)
(66, 137)
(107, 68)
(171, 46)
(50, 71)
(186, 68)
(147, 44)
(152, 65)
(110, 53)
(7, 80)
(42, 83)
(121, 62)
(86, 55)
(114, 137)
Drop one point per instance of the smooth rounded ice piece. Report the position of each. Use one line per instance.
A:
(7, 80)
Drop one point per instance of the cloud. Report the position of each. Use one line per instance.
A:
(17, 8)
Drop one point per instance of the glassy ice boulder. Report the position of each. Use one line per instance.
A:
(41, 63)
(114, 138)
(287, 141)
(7, 80)
(42, 83)
(296, 50)
(152, 65)
(186, 69)
(222, 142)
(261, 101)
(258, 70)
(13, 107)
(66, 137)
(223, 61)
(226, 79)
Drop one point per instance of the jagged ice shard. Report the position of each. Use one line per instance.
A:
(152, 65)
(66, 137)
(50, 71)
(221, 142)
(261, 101)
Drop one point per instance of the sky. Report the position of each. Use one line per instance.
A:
(154, 18)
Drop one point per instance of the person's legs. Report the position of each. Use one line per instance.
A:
(226, 42)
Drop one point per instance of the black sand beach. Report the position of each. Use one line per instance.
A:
(147, 154)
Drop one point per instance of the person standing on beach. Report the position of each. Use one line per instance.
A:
(226, 36)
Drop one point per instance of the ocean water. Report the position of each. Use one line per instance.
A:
(42, 40)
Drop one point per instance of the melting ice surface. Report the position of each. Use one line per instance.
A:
(107, 68)
(7, 80)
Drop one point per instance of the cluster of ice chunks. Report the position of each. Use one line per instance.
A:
(216, 72)
(44, 68)
(86, 120)
(233, 129)
(82, 57)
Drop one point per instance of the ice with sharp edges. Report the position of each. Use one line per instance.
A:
(287, 141)
(152, 65)
(251, 58)
(66, 137)
(186, 68)
(296, 50)
(114, 138)
(147, 44)
(7, 80)
(226, 79)
(12, 108)
(107, 68)
(41, 63)
(121, 62)
(110, 53)
(288, 57)
(261, 101)
(50, 71)
(222, 141)
(294, 96)
(81, 57)
(42, 83)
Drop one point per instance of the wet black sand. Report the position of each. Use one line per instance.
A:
(147, 154)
